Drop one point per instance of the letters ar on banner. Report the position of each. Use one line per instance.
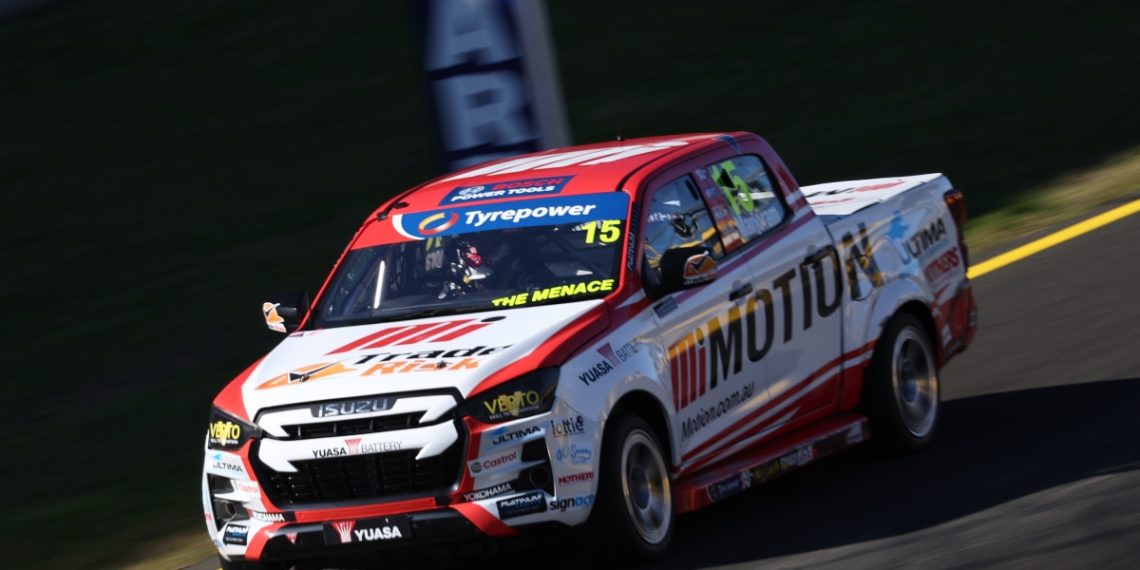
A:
(491, 78)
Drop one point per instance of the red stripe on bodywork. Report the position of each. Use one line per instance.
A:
(367, 339)
(258, 540)
(230, 399)
(428, 333)
(718, 443)
(461, 332)
(363, 511)
(484, 520)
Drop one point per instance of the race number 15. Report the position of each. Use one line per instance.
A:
(607, 231)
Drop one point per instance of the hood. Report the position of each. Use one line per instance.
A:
(457, 351)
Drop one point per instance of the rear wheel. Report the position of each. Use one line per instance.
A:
(901, 392)
(634, 510)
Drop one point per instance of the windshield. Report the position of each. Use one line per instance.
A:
(478, 258)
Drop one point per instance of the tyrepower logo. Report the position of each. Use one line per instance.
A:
(402, 335)
(511, 189)
(557, 210)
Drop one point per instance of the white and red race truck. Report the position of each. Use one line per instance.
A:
(614, 334)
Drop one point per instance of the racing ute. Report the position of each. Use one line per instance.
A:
(612, 334)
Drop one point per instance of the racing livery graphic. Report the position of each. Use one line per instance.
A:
(609, 335)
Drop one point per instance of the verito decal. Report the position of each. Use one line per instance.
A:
(509, 189)
(515, 214)
(225, 433)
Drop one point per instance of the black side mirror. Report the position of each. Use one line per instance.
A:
(285, 315)
(685, 267)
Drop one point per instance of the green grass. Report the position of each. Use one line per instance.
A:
(168, 163)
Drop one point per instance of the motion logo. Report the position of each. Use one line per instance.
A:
(715, 352)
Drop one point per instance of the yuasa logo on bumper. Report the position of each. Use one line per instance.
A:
(519, 214)
(524, 505)
(368, 530)
(510, 189)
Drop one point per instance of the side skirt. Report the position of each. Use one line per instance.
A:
(752, 467)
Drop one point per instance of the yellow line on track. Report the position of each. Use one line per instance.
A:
(1053, 239)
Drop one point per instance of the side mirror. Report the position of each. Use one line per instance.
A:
(685, 267)
(285, 316)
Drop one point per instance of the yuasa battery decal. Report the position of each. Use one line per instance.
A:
(518, 214)
(529, 187)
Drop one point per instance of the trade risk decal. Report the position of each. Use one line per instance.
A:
(518, 214)
(509, 189)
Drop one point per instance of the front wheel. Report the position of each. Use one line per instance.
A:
(901, 390)
(635, 495)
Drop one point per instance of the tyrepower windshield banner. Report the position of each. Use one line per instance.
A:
(516, 214)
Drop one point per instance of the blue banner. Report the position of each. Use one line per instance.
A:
(515, 214)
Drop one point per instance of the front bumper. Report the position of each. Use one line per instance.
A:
(292, 541)
(497, 491)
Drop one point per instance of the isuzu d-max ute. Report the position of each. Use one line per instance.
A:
(611, 335)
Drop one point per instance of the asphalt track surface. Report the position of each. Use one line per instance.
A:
(1036, 465)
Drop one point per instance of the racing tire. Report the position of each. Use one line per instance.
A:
(634, 511)
(901, 391)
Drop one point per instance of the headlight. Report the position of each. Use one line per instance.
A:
(528, 395)
(226, 431)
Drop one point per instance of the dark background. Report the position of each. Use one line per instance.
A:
(164, 165)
